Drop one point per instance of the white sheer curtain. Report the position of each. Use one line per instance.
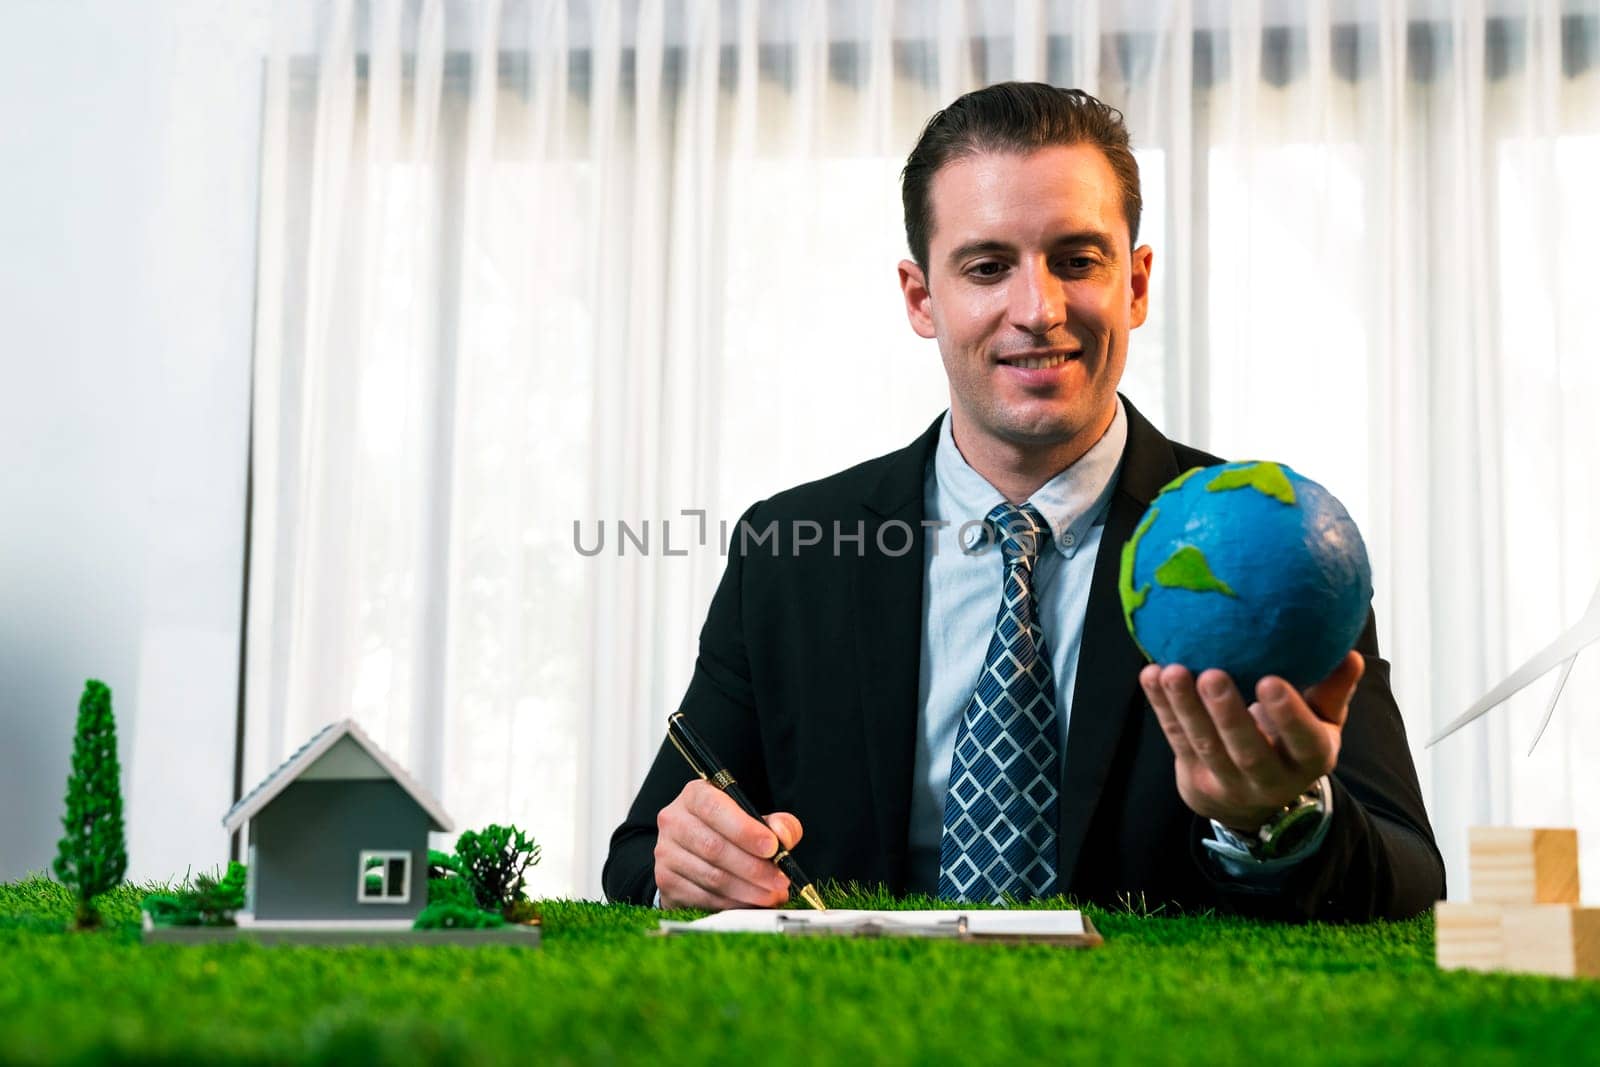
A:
(533, 263)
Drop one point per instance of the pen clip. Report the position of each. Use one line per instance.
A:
(694, 764)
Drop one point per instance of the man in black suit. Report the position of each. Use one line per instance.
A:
(848, 661)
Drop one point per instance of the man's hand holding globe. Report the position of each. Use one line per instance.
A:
(1257, 578)
(1241, 765)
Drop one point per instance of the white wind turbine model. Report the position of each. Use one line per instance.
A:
(1562, 650)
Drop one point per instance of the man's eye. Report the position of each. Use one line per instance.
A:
(1078, 264)
(986, 270)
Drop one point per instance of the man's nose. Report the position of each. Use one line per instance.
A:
(1038, 299)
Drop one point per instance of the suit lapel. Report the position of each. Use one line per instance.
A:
(1108, 660)
(888, 640)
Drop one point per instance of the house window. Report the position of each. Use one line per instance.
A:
(385, 878)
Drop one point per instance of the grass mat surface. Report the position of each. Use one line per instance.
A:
(1189, 990)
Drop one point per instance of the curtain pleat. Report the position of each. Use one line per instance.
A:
(268, 596)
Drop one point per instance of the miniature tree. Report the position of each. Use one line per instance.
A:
(494, 860)
(481, 886)
(93, 855)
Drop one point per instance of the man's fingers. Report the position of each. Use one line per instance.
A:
(1178, 685)
(1310, 744)
(1150, 681)
(1269, 729)
(1246, 747)
(678, 892)
(710, 847)
(719, 882)
(787, 827)
(1330, 698)
(1308, 726)
(717, 810)
(690, 825)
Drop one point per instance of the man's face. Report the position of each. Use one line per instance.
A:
(1031, 289)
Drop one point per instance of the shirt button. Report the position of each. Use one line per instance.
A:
(973, 536)
(1068, 539)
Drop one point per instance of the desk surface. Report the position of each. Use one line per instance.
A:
(1189, 990)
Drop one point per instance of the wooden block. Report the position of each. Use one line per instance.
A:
(1468, 936)
(1519, 865)
(1552, 939)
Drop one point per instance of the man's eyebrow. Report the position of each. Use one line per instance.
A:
(979, 248)
(1099, 239)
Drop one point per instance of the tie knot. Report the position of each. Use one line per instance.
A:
(1021, 531)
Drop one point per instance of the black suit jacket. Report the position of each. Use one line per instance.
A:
(806, 685)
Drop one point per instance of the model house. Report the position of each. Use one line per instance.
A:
(339, 832)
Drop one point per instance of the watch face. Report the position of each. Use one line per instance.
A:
(1292, 829)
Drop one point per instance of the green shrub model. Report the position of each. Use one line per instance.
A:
(209, 902)
(93, 855)
(481, 885)
(494, 860)
(441, 865)
(452, 890)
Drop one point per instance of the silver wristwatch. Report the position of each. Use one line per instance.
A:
(1290, 828)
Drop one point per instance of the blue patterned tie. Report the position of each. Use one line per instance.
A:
(1000, 812)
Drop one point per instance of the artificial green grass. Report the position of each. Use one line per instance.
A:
(1190, 990)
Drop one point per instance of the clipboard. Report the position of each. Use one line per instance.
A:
(1071, 929)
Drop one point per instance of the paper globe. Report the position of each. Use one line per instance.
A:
(1250, 568)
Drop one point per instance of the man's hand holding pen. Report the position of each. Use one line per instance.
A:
(711, 855)
(714, 848)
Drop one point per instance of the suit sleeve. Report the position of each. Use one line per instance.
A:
(720, 702)
(1379, 859)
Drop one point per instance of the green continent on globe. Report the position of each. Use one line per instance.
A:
(1265, 478)
(1187, 569)
(1133, 599)
(1172, 486)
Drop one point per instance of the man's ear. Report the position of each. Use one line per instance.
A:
(919, 302)
(1139, 284)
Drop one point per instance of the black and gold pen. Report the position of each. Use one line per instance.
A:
(704, 763)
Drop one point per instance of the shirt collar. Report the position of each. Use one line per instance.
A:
(1071, 502)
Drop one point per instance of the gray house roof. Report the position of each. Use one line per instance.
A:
(339, 750)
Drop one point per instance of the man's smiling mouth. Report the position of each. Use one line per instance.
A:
(1039, 359)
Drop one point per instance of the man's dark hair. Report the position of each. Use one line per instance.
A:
(1014, 117)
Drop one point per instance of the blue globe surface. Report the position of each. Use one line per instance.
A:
(1250, 568)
